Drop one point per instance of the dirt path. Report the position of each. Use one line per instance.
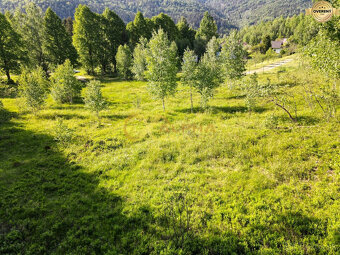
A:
(271, 66)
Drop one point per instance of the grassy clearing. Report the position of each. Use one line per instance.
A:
(154, 182)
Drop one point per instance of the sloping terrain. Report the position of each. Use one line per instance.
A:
(239, 13)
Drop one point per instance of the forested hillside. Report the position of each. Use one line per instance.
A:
(238, 13)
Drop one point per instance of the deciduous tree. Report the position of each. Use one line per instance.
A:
(11, 51)
(161, 66)
(57, 43)
(65, 86)
(124, 61)
(139, 60)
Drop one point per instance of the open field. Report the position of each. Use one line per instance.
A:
(152, 182)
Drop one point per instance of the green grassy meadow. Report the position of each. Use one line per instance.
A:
(152, 182)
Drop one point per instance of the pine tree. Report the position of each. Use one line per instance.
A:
(139, 60)
(124, 61)
(186, 36)
(86, 37)
(161, 66)
(166, 23)
(33, 88)
(68, 24)
(11, 51)
(189, 72)
(65, 86)
(57, 43)
(233, 57)
(208, 28)
(94, 99)
(139, 28)
(114, 34)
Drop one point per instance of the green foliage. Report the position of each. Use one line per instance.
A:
(124, 61)
(4, 115)
(62, 133)
(212, 183)
(228, 15)
(139, 60)
(252, 91)
(33, 88)
(209, 74)
(189, 72)
(113, 35)
(165, 22)
(86, 38)
(233, 57)
(11, 52)
(68, 24)
(30, 25)
(94, 99)
(64, 85)
(271, 122)
(161, 66)
(186, 36)
(208, 28)
(323, 54)
(139, 28)
(57, 43)
(266, 44)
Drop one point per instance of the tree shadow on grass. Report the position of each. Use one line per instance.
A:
(50, 205)
(67, 116)
(224, 109)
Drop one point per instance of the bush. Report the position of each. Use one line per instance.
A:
(33, 87)
(8, 90)
(65, 87)
(63, 134)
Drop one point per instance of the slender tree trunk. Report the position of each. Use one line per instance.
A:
(163, 101)
(8, 75)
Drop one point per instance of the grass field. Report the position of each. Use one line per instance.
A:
(173, 182)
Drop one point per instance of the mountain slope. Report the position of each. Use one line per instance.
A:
(237, 12)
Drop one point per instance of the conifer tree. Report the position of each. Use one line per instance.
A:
(139, 28)
(186, 36)
(208, 28)
(161, 66)
(124, 61)
(86, 37)
(68, 24)
(57, 43)
(166, 23)
(11, 51)
(113, 35)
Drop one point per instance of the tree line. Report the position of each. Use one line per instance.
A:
(33, 38)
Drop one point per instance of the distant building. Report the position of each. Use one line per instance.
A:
(277, 45)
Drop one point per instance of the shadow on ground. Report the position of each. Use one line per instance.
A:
(50, 205)
(224, 109)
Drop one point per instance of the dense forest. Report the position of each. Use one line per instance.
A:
(226, 13)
